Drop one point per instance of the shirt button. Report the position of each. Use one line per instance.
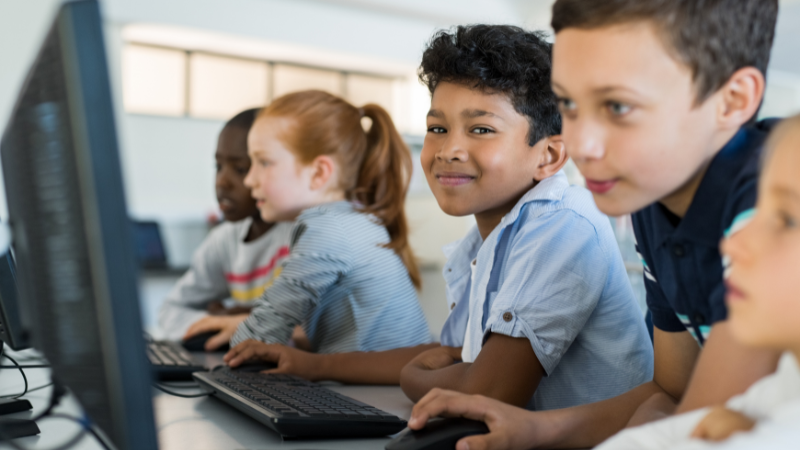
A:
(452, 306)
(678, 250)
(507, 316)
(474, 262)
(449, 269)
(699, 319)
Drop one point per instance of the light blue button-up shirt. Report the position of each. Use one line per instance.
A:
(551, 272)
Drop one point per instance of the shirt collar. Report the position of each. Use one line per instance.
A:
(550, 189)
(460, 253)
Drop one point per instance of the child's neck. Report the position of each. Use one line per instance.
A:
(257, 228)
(680, 200)
(489, 219)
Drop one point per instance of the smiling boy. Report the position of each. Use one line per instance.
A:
(542, 313)
(658, 99)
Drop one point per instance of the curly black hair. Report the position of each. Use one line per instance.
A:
(498, 58)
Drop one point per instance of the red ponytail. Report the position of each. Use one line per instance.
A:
(375, 166)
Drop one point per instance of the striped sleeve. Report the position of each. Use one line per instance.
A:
(320, 256)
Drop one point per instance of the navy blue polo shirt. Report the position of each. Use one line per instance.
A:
(681, 258)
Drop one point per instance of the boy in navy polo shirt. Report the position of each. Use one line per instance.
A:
(657, 100)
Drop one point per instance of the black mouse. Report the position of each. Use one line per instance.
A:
(197, 343)
(437, 435)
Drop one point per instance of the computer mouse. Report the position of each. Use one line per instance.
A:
(197, 343)
(441, 434)
(254, 366)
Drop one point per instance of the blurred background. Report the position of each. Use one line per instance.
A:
(180, 68)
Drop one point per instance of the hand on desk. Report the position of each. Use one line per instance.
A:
(721, 423)
(289, 360)
(509, 427)
(224, 325)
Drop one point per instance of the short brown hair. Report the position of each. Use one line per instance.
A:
(715, 38)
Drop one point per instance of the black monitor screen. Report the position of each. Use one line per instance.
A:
(72, 236)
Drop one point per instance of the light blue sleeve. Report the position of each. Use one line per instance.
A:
(320, 256)
(552, 280)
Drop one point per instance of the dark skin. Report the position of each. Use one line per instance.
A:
(479, 144)
(236, 203)
(233, 196)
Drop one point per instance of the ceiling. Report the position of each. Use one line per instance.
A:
(536, 14)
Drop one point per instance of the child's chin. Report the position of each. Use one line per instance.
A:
(745, 333)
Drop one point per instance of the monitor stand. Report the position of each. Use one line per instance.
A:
(15, 428)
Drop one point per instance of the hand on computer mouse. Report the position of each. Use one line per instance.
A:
(225, 326)
(510, 428)
(289, 360)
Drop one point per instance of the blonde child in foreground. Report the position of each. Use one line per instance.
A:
(763, 298)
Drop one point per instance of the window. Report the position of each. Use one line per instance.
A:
(173, 82)
(220, 87)
(154, 80)
(363, 89)
(290, 78)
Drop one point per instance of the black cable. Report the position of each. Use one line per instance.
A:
(37, 388)
(22, 372)
(30, 366)
(178, 394)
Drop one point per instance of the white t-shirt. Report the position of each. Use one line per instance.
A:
(227, 268)
(773, 402)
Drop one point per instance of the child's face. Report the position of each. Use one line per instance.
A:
(630, 121)
(277, 180)
(476, 155)
(233, 163)
(763, 294)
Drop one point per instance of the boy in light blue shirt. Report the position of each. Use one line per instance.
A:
(542, 314)
(538, 291)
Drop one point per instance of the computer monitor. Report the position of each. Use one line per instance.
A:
(13, 323)
(71, 233)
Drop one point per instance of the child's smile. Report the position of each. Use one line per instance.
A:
(476, 155)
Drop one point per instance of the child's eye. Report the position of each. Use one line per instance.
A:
(565, 104)
(218, 167)
(787, 221)
(242, 170)
(436, 130)
(482, 130)
(618, 109)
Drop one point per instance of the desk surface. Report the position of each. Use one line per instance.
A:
(198, 423)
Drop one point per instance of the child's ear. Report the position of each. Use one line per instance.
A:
(551, 155)
(740, 97)
(322, 172)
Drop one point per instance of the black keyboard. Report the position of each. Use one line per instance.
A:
(297, 408)
(170, 361)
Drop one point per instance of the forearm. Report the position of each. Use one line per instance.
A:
(588, 425)
(270, 323)
(368, 367)
(725, 369)
(417, 381)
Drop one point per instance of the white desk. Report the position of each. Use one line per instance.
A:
(197, 423)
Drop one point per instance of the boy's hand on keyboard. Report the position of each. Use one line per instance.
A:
(510, 428)
(721, 423)
(289, 360)
(437, 358)
(225, 326)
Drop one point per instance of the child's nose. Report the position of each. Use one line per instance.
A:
(584, 141)
(452, 150)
